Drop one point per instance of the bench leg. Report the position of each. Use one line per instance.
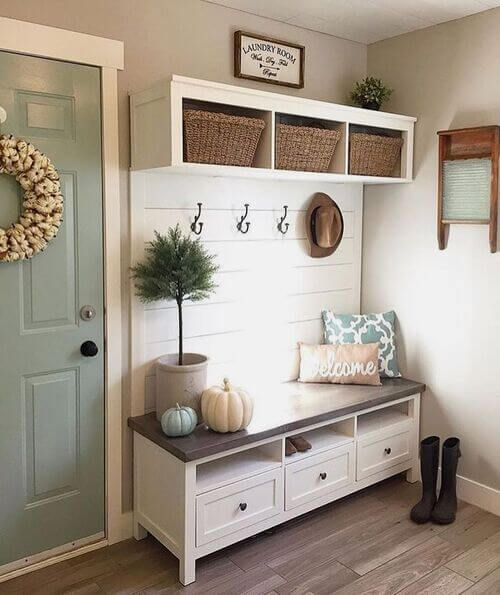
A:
(139, 531)
(413, 474)
(187, 570)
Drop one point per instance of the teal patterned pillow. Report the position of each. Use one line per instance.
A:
(366, 328)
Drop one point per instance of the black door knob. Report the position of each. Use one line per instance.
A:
(89, 349)
(387, 451)
(243, 506)
(322, 475)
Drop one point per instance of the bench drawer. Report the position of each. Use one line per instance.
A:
(382, 451)
(233, 507)
(319, 475)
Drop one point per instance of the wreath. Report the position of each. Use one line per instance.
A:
(43, 203)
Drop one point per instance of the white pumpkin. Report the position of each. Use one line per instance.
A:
(226, 408)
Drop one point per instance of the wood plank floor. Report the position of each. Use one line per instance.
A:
(364, 543)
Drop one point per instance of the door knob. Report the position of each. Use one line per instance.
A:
(243, 506)
(89, 349)
(322, 475)
(387, 451)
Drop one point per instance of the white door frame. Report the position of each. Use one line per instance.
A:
(50, 42)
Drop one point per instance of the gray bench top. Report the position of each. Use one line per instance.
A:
(286, 408)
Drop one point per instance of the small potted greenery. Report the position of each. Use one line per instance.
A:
(178, 268)
(370, 93)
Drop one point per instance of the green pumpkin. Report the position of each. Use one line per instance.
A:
(179, 421)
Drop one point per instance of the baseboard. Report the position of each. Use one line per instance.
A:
(475, 493)
(478, 494)
(51, 557)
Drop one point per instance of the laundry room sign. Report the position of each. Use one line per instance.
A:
(269, 60)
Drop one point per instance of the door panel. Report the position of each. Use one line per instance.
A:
(51, 462)
(51, 397)
(44, 308)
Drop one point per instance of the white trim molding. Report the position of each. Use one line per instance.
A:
(478, 494)
(59, 44)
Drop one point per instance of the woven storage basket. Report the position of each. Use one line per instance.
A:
(221, 139)
(303, 148)
(373, 155)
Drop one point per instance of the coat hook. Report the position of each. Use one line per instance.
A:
(282, 220)
(239, 226)
(195, 226)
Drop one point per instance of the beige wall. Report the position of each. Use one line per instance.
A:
(448, 301)
(191, 38)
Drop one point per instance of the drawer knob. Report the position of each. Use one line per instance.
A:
(387, 451)
(243, 506)
(322, 475)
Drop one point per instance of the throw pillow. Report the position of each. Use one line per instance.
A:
(339, 364)
(366, 328)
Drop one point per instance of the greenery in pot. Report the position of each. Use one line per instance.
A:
(370, 93)
(175, 267)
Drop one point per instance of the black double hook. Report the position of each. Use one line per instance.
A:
(195, 226)
(282, 220)
(239, 225)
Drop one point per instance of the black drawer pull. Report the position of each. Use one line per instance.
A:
(243, 506)
(387, 451)
(322, 475)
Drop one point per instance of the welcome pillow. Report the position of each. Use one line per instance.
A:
(366, 328)
(339, 364)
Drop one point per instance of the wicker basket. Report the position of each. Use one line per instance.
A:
(304, 148)
(373, 155)
(221, 139)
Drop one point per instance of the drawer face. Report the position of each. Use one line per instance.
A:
(233, 507)
(319, 475)
(382, 451)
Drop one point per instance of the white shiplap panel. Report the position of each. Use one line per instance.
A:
(282, 368)
(270, 291)
(221, 224)
(210, 318)
(172, 191)
(265, 340)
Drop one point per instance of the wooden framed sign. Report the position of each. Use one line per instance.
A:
(268, 60)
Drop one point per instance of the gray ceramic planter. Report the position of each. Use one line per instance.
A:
(180, 384)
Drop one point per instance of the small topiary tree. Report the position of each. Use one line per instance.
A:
(370, 93)
(178, 268)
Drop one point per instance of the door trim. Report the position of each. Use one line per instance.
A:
(50, 42)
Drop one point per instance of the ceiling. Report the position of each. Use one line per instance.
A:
(365, 21)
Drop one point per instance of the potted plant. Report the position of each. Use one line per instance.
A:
(178, 268)
(370, 93)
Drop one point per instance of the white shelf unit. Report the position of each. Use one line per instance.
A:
(157, 130)
(238, 466)
(195, 508)
(382, 419)
(324, 438)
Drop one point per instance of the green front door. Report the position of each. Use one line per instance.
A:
(51, 396)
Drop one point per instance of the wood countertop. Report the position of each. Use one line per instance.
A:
(286, 408)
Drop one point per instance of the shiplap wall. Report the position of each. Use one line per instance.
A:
(270, 291)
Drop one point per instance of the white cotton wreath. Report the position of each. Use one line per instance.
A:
(43, 203)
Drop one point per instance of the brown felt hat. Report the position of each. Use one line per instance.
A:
(324, 225)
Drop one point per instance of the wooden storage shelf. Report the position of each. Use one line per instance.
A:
(379, 420)
(263, 154)
(157, 130)
(338, 162)
(398, 170)
(324, 438)
(238, 466)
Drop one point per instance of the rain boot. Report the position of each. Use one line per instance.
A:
(446, 508)
(429, 463)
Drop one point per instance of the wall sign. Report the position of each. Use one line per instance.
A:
(268, 60)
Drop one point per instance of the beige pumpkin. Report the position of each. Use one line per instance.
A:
(226, 408)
